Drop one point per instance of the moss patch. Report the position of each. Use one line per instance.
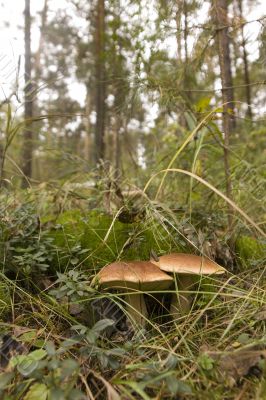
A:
(66, 234)
(96, 238)
(249, 249)
(110, 239)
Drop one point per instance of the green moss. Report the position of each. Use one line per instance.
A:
(109, 240)
(66, 234)
(249, 249)
(106, 239)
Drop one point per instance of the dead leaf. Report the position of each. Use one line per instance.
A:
(236, 364)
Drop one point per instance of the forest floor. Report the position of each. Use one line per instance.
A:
(65, 338)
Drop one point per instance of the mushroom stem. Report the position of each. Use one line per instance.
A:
(181, 302)
(136, 308)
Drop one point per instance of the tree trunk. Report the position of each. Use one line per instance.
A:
(117, 150)
(178, 31)
(227, 91)
(185, 30)
(37, 66)
(100, 81)
(27, 149)
(87, 139)
(181, 8)
(245, 61)
(225, 59)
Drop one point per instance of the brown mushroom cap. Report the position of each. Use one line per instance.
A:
(188, 264)
(138, 275)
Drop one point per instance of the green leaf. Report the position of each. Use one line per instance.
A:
(176, 386)
(68, 367)
(26, 365)
(172, 384)
(244, 338)
(38, 391)
(38, 354)
(28, 336)
(101, 325)
(205, 362)
(171, 362)
(5, 379)
(50, 348)
(56, 394)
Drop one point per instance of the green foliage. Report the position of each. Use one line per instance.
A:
(155, 98)
(42, 374)
(206, 362)
(108, 239)
(250, 249)
(5, 300)
(72, 284)
(25, 250)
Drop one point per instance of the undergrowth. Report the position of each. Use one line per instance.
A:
(64, 338)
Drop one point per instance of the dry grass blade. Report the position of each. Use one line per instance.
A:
(215, 190)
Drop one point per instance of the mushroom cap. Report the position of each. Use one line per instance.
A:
(139, 275)
(188, 264)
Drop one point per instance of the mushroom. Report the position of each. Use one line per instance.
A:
(136, 277)
(187, 267)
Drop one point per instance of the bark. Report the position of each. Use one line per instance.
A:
(100, 81)
(178, 31)
(117, 150)
(245, 61)
(225, 59)
(186, 31)
(87, 139)
(227, 91)
(181, 9)
(37, 66)
(27, 149)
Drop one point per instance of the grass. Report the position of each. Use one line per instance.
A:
(217, 351)
(188, 358)
(171, 358)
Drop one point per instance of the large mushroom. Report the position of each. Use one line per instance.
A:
(187, 269)
(135, 277)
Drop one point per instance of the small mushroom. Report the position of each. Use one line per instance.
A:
(136, 277)
(187, 267)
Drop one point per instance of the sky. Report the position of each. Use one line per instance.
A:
(12, 45)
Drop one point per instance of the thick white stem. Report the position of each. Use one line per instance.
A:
(136, 308)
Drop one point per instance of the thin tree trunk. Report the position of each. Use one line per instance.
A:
(180, 10)
(37, 71)
(27, 149)
(87, 139)
(225, 58)
(37, 65)
(100, 81)
(227, 92)
(178, 31)
(185, 30)
(117, 152)
(245, 61)
(186, 69)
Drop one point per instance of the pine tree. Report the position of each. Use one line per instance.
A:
(27, 150)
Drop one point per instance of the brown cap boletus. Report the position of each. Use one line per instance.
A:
(136, 277)
(187, 267)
